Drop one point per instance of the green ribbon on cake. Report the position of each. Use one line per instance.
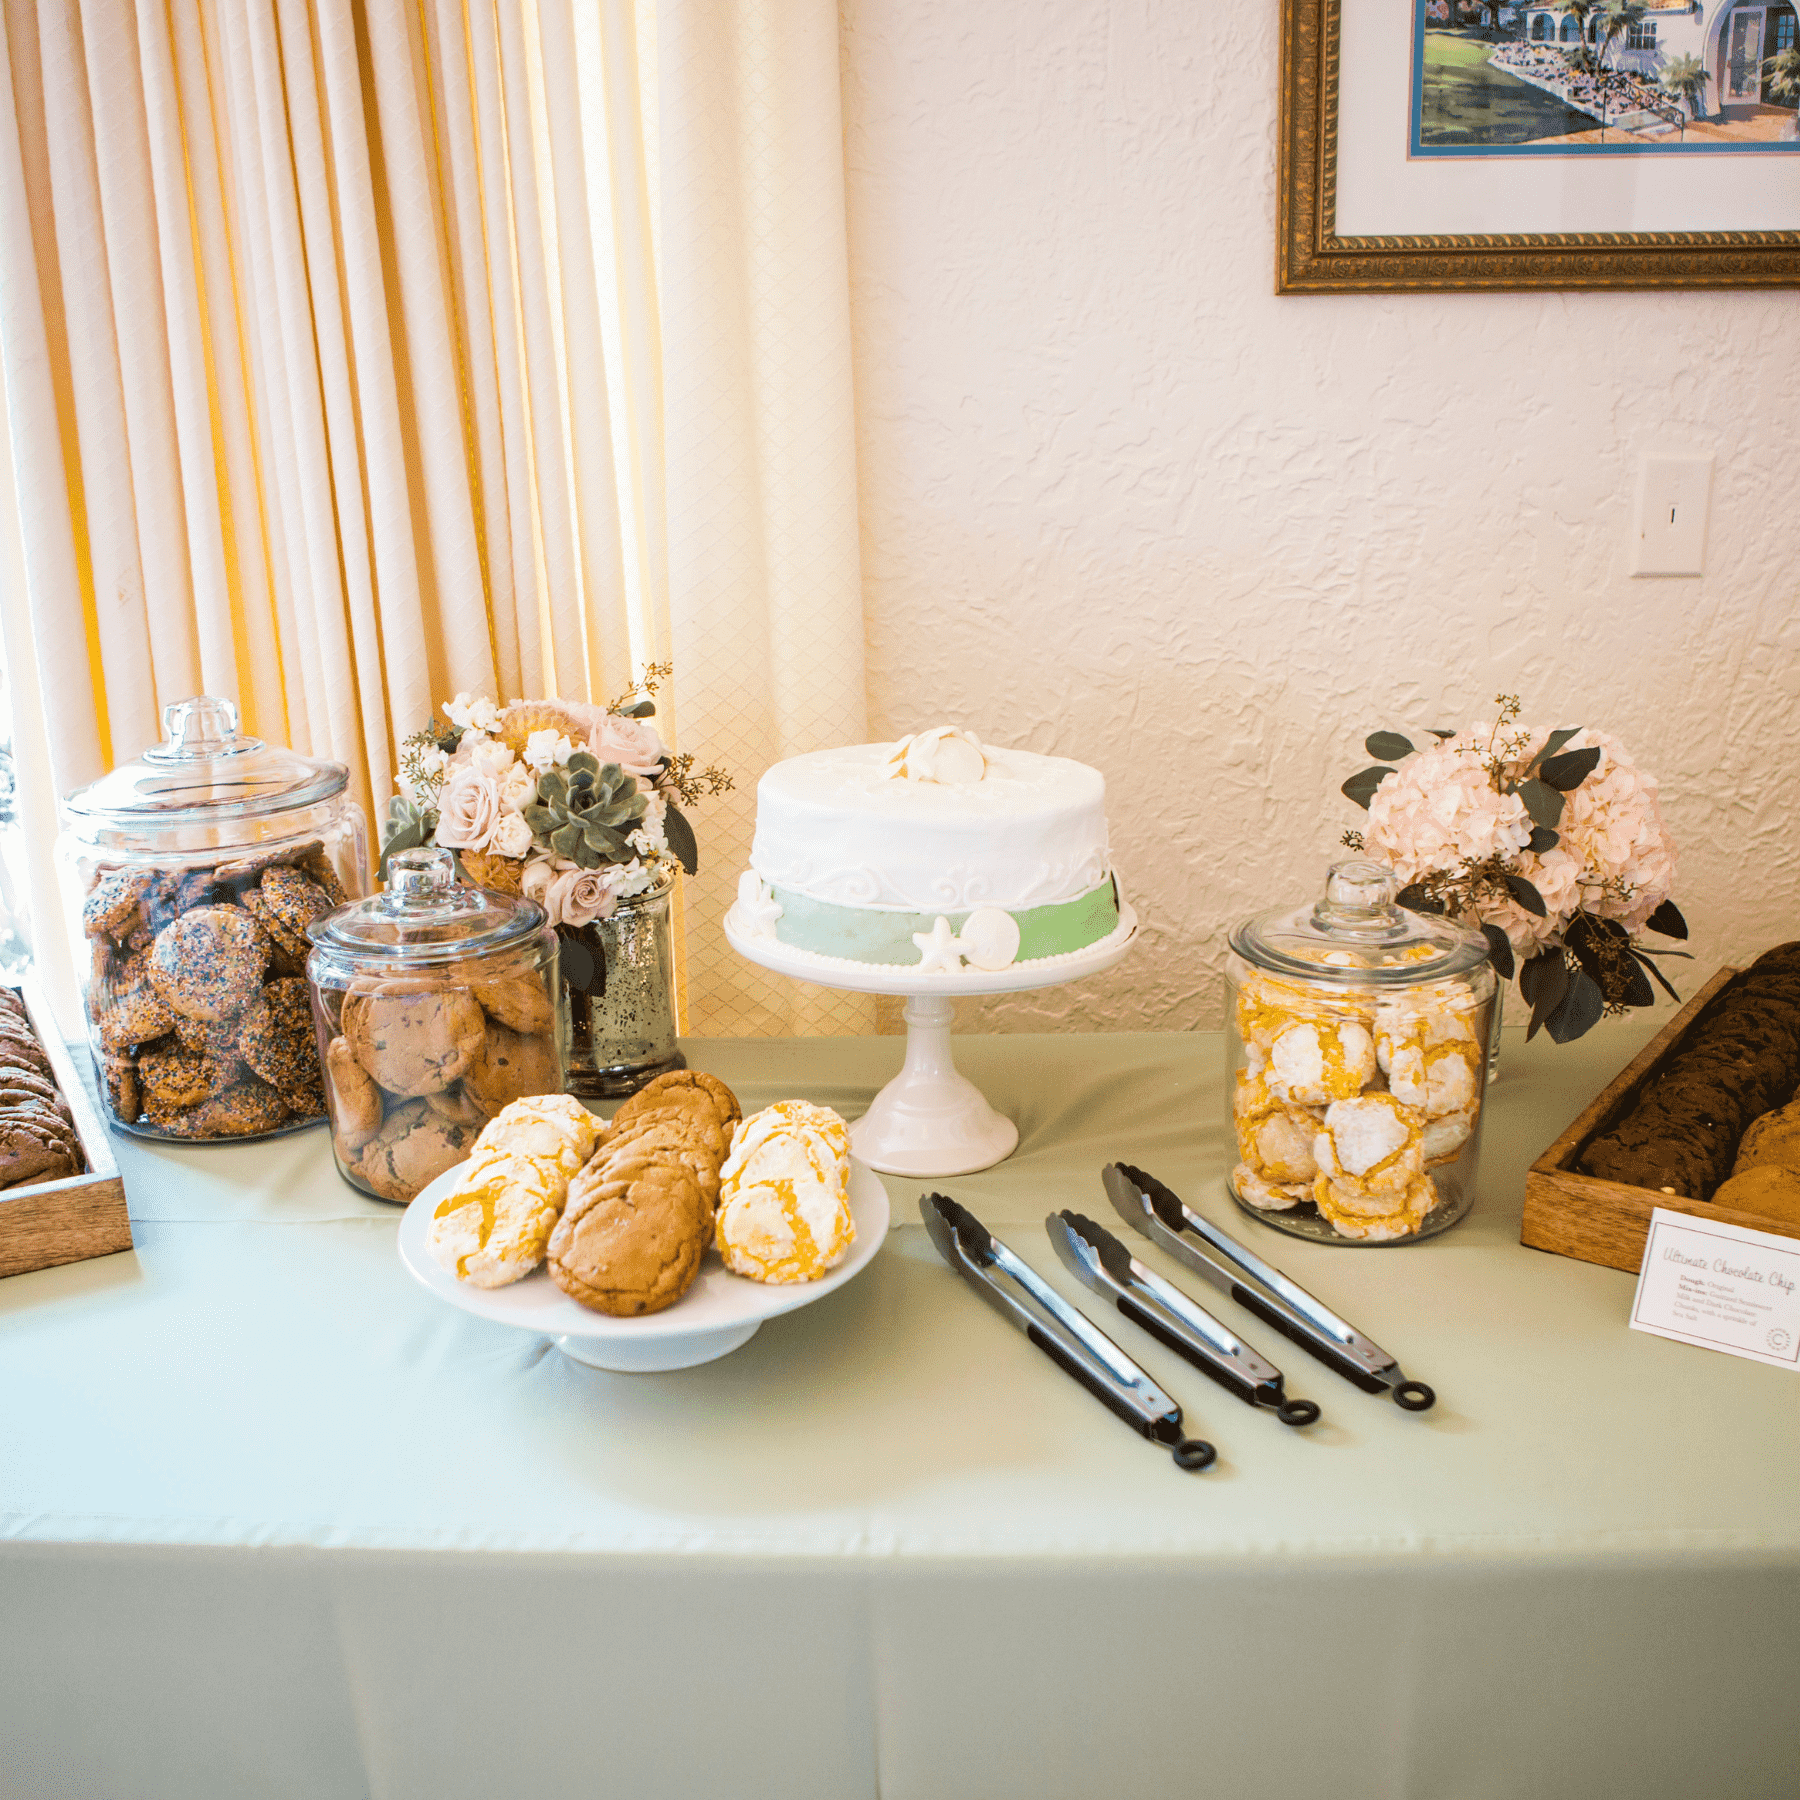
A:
(874, 935)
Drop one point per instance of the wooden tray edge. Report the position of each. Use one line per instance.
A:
(1607, 1222)
(45, 1223)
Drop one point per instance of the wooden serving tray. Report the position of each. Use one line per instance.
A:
(1607, 1221)
(43, 1223)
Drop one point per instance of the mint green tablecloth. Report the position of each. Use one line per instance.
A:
(273, 1521)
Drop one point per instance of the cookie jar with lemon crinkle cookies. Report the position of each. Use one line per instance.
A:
(192, 875)
(1357, 1045)
(434, 1007)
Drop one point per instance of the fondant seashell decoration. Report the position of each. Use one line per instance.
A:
(944, 754)
(990, 939)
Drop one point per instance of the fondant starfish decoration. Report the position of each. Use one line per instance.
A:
(940, 949)
(757, 908)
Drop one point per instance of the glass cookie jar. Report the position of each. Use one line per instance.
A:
(435, 1005)
(191, 875)
(1356, 1059)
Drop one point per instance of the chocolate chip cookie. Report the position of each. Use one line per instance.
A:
(413, 1147)
(412, 1036)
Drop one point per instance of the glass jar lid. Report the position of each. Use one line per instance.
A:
(1359, 933)
(424, 915)
(203, 772)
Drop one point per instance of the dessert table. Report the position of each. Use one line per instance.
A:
(274, 1521)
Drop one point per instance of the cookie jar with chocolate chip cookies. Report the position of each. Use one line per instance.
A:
(434, 1006)
(1357, 1039)
(192, 875)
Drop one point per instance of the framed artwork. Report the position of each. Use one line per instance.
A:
(1467, 144)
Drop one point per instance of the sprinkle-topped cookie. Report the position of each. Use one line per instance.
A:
(210, 962)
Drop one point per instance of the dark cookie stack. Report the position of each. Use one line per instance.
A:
(198, 995)
(38, 1141)
(1740, 1060)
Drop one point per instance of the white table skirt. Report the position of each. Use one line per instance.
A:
(274, 1522)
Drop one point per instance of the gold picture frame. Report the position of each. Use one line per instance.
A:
(1312, 259)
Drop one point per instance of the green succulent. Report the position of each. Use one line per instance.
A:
(408, 826)
(585, 810)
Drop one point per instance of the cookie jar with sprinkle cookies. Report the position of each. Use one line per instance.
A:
(1357, 1039)
(434, 1005)
(192, 875)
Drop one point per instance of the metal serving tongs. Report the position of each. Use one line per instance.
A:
(1078, 1347)
(1098, 1260)
(1141, 1200)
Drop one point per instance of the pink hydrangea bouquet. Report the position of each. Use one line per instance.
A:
(571, 804)
(1551, 842)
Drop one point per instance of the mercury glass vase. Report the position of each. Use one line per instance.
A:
(621, 1018)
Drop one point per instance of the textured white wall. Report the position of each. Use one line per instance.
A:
(1122, 503)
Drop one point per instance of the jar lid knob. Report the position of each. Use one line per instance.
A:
(202, 727)
(421, 877)
(1359, 900)
(1364, 884)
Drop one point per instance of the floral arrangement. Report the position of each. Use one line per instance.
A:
(1552, 842)
(571, 804)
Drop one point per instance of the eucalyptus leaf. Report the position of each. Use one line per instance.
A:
(1581, 1010)
(1500, 951)
(1637, 990)
(1527, 896)
(1361, 786)
(1545, 973)
(1555, 741)
(1542, 840)
(1415, 897)
(681, 840)
(1570, 769)
(577, 964)
(1543, 802)
(1667, 921)
(1544, 981)
(1662, 981)
(1440, 735)
(639, 709)
(1387, 746)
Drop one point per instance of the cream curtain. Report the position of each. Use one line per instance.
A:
(357, 354)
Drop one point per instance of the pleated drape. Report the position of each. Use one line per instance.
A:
(358, 354)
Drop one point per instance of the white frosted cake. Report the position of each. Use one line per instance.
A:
(935, 852)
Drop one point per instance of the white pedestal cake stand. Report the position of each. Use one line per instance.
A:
(930, 1120)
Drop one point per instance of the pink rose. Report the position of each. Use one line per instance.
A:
(468, 810)
(630, 743)
(570, 894)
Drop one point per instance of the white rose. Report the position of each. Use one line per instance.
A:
(511, 837)
(518, 787)
(630, 743)
(486, 755)
(468, 810)
(547, 749)
(473, 712)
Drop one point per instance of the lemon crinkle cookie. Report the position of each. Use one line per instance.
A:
(784, 1207)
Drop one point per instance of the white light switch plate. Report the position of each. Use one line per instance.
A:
(1669, 533)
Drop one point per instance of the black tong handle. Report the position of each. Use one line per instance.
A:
(1289, 1412)
(1189, 1453)
(1311, 1342)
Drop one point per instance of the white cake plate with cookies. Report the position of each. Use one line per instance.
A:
(717, 1314)
(930, 1119)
